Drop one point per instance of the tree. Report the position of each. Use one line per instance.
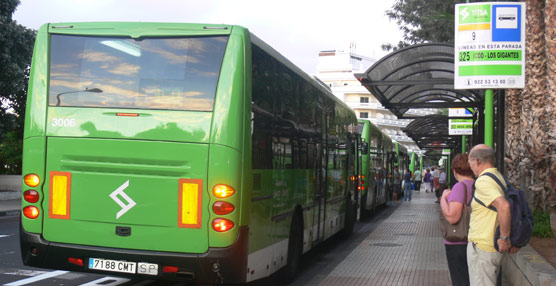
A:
(423, 21)
(16, 49)
(530, 157)
(530, 126)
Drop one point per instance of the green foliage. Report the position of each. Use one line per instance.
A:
(542, 224)
(16, 49)
(423, 21)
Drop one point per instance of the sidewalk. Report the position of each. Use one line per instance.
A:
(407, 249)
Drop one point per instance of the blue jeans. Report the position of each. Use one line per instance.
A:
(407, 191)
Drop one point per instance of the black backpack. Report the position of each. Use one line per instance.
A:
(522, 216)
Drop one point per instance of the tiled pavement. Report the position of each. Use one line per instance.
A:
(405, 249)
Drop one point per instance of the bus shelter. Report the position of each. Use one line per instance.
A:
(422, 76)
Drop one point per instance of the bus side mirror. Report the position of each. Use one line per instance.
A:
(364, 148)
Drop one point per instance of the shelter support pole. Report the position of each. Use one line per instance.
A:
(463, 144)
(489, 117)
(500, 129)
(448, 171)
(481, 124)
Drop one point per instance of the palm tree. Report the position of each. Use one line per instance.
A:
(530, 124)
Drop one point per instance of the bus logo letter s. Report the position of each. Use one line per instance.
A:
(120, 191)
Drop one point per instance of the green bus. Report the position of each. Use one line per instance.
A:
(376, 164)
(402, 159)
(179, 151)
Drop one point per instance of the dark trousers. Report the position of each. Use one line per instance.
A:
(457, 263)
(418, 186)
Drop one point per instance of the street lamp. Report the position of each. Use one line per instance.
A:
(96, 90)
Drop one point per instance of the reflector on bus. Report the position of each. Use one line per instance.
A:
(190, 203)
(60, 195)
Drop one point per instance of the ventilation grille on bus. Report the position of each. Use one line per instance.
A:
(257, 182)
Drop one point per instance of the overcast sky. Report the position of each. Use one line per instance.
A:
(298, 29)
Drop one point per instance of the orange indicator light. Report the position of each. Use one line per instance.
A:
(223, 191)
(222, 224)
(128, 114)
(31, 212)
(32, 180)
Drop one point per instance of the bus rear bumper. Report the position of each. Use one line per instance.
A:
(217, 265)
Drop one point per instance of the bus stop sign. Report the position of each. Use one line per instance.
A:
(489, 45)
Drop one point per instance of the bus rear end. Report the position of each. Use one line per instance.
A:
(133, 151)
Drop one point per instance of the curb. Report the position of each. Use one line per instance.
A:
(528, 267)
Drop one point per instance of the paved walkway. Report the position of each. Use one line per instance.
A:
(405, 249)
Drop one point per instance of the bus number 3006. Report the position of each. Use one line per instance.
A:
(63, 122)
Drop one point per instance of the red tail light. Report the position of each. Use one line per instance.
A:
(76, 261)
(31, 212)
(222, 224)
(222, 208)
(31, 196)
(170, 269)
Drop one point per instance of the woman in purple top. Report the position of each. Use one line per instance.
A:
(452, 204)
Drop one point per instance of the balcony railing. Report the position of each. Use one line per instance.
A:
(369, 105)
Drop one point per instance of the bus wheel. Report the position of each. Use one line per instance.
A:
(295, 249)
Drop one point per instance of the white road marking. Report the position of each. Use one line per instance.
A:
(37, 278)
(107, 281)
(21, 272)
(5, 235)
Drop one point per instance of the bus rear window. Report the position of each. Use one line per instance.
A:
(149, 73)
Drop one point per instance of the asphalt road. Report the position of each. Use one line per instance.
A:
(316, 265)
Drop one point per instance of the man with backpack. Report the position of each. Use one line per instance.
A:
(482, 258)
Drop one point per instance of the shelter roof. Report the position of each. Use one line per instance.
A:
(420, 76)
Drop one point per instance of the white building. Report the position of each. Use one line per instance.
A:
(337, 68)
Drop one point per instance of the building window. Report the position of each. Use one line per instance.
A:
(364, 99)
(363, 115)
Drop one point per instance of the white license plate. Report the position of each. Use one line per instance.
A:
(147, 268)
(112, 265)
